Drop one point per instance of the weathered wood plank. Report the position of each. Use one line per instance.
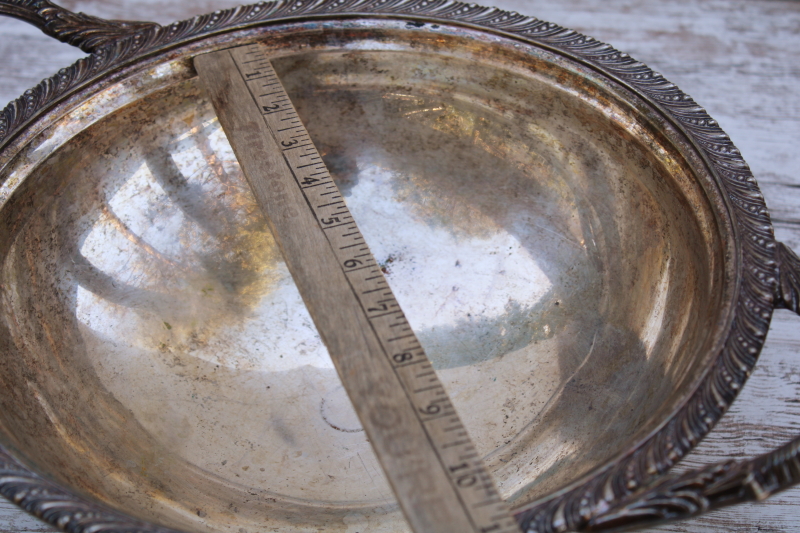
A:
(13, 520)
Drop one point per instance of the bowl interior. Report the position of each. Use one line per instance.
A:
(552, 243)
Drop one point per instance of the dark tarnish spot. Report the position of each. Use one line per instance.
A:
(284, 432)
(385, 264)
(415, 24)
(342, 166)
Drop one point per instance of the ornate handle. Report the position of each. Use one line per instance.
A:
(78, 29)
(721, 484)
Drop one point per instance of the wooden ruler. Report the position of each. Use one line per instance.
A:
(423, 447)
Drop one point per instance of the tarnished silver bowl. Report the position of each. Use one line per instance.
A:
(583, 253)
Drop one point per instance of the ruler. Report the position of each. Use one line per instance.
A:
(419, 440)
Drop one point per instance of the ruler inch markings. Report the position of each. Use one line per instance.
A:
(315, 184)
(405, 421)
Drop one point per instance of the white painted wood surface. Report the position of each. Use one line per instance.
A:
(738, 58)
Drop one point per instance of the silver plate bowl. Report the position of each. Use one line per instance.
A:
(582, 252)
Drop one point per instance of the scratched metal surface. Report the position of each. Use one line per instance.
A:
(735, 58)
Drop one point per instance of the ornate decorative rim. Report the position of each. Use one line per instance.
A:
(616, 493)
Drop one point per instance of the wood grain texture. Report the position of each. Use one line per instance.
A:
(738, 58)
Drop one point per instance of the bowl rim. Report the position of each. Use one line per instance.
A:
(754, 265)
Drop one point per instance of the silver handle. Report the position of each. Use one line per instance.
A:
(78, 29)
